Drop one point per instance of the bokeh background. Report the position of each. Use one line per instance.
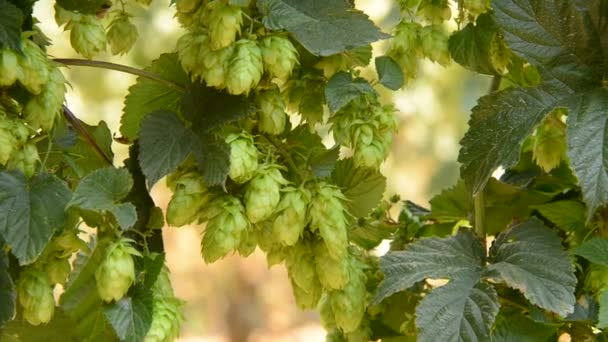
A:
(240, 299)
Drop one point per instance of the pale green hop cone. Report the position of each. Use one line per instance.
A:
(291, 219)
(245, 68)
(190, 196)
(8, 142)
(58, 270)
(34, 67)
(349, 304)
(87, 35)
(116, 273)
(167, 319)
(42, 110)
(301, 270)
(224, 23)
(327, 215)
(192, 48)
(215, 66)
(333, 274)
(271, 106)
(122, 35)
(435, 44)
(263, 193)
(10, 70)
(280, 56)
(35, 296)
(225, 228)
(26, 159)
(243, 157)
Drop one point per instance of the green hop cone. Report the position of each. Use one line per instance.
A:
(245, 68)
(187, 6)
(249, 241)
(407, 38)
(215, 66)
(349, 304)
(476, 7)
(243, 157)
(327, 215)
(302, 273)
(550, 142)
(36, 296)
(435, 11)
(291, 219)
(596, 279)
(500, 54)
(58, 270)
(191, 49)
(87, 35)
(272, 116)
(42, 110)
(162, 286)
(167, 319)
(225, 228)
(10, 70)
(333, 274)
(26, 159)
(435, 44)
(224, 23)
(122, 34)
(333, 64)
(8, 141)
(279, 55)
(116, 273)
(34, 67)
(190, 196)
(263, 194)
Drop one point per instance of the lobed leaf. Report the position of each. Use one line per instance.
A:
(213, 159)
(470, 47)
(389, 72)
(11, 19)
(341, 89)
(594, 250)
(131, 316)
(519, 328)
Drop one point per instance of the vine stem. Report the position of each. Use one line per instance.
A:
(79, 127)
(119, 67)
(479, 199)
(290, 163)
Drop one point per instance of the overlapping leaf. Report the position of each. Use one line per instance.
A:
(389, 72)
(594, 250)
(8, 296)
(519, 328)
(11, 19)
(342, 88)
(470, 47)
(132, 315)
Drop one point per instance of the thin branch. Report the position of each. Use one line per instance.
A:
(79, 127)
(119, 67)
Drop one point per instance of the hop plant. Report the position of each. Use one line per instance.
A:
(245, 68)
(435, 44)
(327, 215)
(263, 193)
(224, 23)
(243, 157)
(550, 142)
(122, 34)
(349, 304)
(333, 64)
(63, 16)
(302, 273)
(291, 219)
(116, 273)
(34, 67)
(25, 159)
(36, 296)
(279, 55)
(166, 320)
(406, 47)
(42, 110)
(500, 54)
(333, 273)
(191, 49)
(249, 241)
(225, 228)
(272, 116)
(190, 196)
(10, 70)
(215, 66)
(87, 35)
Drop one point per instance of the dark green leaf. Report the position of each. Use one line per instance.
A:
(209, 108)
(131, 316)
(323, 27)
(594, 250)
(371, 234)
(458, 311)
(147, 96)
(7, 291)
(519, 328)
(213, 159)
(32, 212)
(101, 192)
(470, 47)
(453, 204)
(389, 72)
(360, 56)
(499, 124)
(588, 145)
(323, 161)
(85, 7)
(557, 37)
(11, 19)
(568, 215)
(164, 144)
(151, 268)
(585, 310)
(362, 187)
(60, 328)
(457, 257)
(342, 88)
(529, 257)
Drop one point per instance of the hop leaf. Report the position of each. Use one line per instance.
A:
(116, 272)
(245, 68)
(243, 157)
(327, 215)
(280, 56)
(122, 34)
(225, 229)
(271, 111)
(225, 22)
(42, 110)
(87, 35)
(36, 296)
(8, 142)
(291, 218)
(263, 194)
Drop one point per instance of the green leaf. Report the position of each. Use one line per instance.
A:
(370, 234)
(101, 192)
(11, 19)
(165, 142)
(603, 314)
(32, 212)
(499, 125)
(213, 159)
(323, 161)
(323, 27)
(209, 108)
(458, 257)
(519, 328)
(131, 316)
(342, 88)
(8, 296)
(362, 187)
(470, 47)
(585, 310)
(556, 37)
(309, 153)
(151, 267)
(568, 215)
(453, 204)
(60, 328)
(389, 72)
(147, 96)
(587, 135)
(594, 250)
(529, 257)
(458, 311)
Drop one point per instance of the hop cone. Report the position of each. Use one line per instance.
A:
(215, 65)
(62, 16)
(87, 35)
(280, 56)
(500, 55)
(10, 70)
(435, 12)
(407, 39)
(36, 296)
(34, 67)
(225, 229)
(58, 270)
(224, 23)
(166, 320)
(550, 142)
(122, 35)
(243, 157)
(333, 64)
(187, 6)
(191, 49)
(301, 271)
(333, 274)
(25, 160)
(597, 278)
(349, 304)
(42, 110)
(435, 44)
(249, 241)
(327, 215)
(189, 198)
(291, 219)
(263, 194)
(116, 272)
(271, 111)
(476, 7)
(8, 142)
(245, 68)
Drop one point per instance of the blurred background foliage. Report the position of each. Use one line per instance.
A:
(239, 299)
